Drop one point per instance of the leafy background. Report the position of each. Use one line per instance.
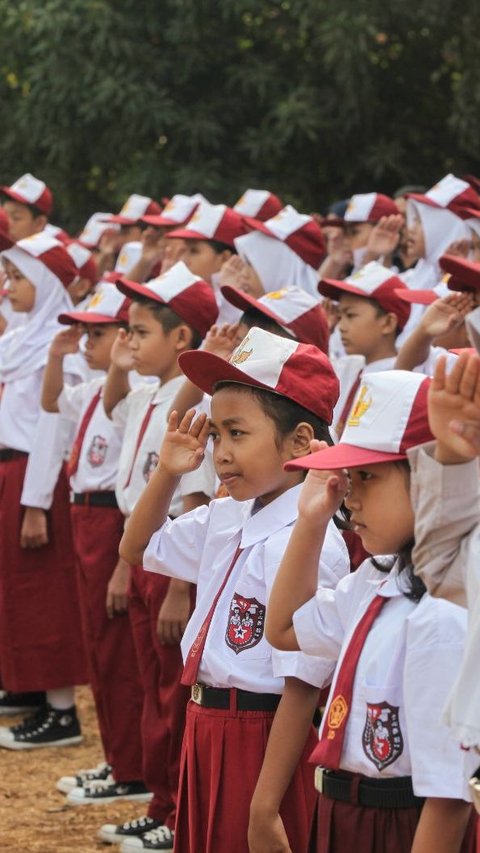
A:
(313, 99)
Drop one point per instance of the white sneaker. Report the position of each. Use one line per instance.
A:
(116, 833)
(108, 791)
(156, 839)
(66, 783)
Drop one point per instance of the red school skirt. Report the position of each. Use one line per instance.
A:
(222, 756)
(40, 632)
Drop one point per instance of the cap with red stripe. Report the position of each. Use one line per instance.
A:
(186, 294)
(30, 190)
(368, 207)
(292, 308)
(212, 222)
(48, 251)
(57, 232)
(135, 207)
(107, 305)
(298, 371)
(373, 281)
(261, 204)
(452, 194)
(97, 225)
(389, 415)
(297, 230)
(177, 211)
(84, 261)
(464, 274)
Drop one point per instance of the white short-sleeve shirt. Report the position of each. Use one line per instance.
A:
(404, 675)
(199, 546)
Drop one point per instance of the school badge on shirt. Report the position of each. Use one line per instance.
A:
(246, 621)
(151, 463)
(382, 737)
(97, 451)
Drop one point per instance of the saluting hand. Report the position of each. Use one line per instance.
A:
(184, 444)
(454, 409)
(120, 353)
(322, 492)
(68, 341)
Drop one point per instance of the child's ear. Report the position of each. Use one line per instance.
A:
(183, 337)
(301, 438)
(390, 323)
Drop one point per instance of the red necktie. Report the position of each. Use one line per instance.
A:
(328, 751)
(348, 405)
(143, 429)
(192, 663)
(74, 458)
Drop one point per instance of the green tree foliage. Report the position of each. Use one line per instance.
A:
(314, 99)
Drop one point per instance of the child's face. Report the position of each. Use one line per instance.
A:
(379, 501)
(362, 330)
(79, 289)
(250, 282)
(21, 291)
(100, 338)
(357, 234)
(21, 221)
(416, 236)
(154, 351)
(247, 453)
(202, 259)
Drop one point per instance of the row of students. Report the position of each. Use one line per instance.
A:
(195, 815)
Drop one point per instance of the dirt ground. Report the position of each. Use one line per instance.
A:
(34, 817)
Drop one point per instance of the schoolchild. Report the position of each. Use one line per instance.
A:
(40, 634)
(242, 737)
(371, 317)
(129, 221)
(168, 315)
(390, 775)
(97, 528)
(28, 203)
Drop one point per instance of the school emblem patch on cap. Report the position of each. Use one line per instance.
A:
(389, 415)
(186, 294)
(298, 371)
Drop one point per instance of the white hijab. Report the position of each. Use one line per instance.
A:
(276, 265)
(441, 228)
(24, 350)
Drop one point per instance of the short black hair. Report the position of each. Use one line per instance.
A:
(219, 247)
(167, 318)
(35, 211)
(253, 317)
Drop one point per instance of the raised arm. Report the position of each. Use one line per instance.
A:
(117, 385)
(441, 317)
(182, 451)
(64, 343)
(297, 578)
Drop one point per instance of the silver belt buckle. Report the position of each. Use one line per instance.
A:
(319, 779)
(197, 693)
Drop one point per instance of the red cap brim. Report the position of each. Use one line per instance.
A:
(244, 301)
(342, 456)
(187, 234)
(417, 297)
(205, 369)
(86, 317)
(157, 220)
(122, 220)
(130, 288)
(333, 288)
(463, 270)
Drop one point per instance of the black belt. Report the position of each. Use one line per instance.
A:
(393, 793)
(95, 499)
(219, 697)
(7, 454)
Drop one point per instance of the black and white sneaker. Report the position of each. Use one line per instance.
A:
(108, 792)
(160, 838)
(102, 771)
(20, 703)
(115, 834)
(48, 727)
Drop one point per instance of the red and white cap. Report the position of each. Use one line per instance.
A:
(389, 415)
(373, 281)
(84, 261)
(368, 207)
(30, 190)
(177, 211)
(293, 309)
(57, 232)
(107, 305)
(128, 257)
(452, 194)
(49, 252)
(212, 222)
(464, 274)
(297, 230)
(261, 204)
(298, 371)
(94, 228)
(186, 294)
(135, 207)
(472, 323)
